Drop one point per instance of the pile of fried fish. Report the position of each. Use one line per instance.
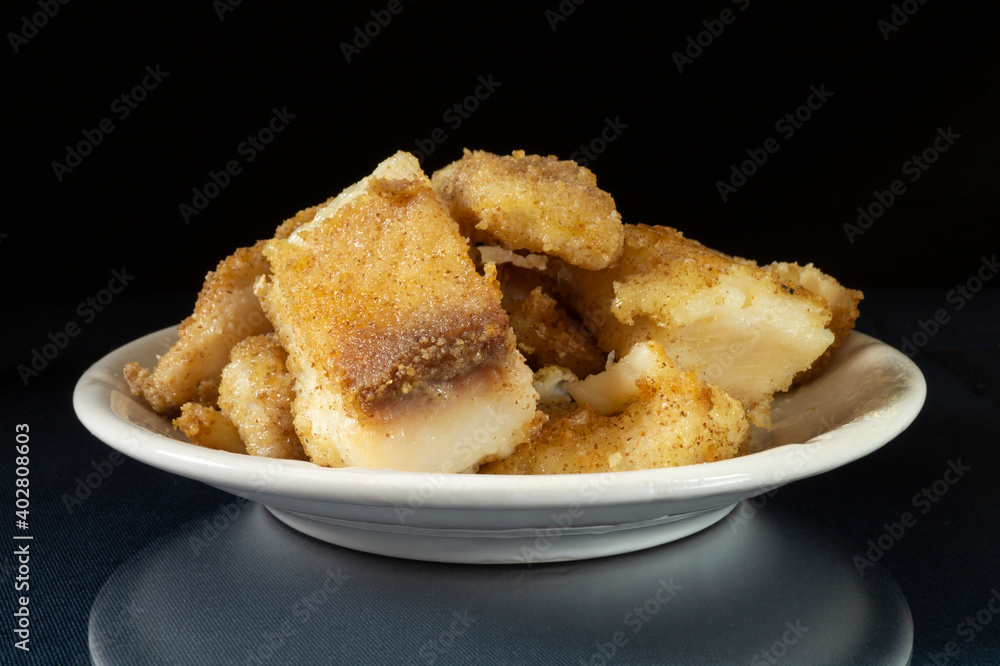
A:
(498, 317)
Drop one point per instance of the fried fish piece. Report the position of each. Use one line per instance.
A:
(642, 413)
(735, 326)
(255, 394)
(546, 333)
(226, 312)
(403, 357)
(843, 304)
(209, 428)
(534, 203)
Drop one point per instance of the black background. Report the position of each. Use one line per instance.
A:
(685, 130)
(118, 211)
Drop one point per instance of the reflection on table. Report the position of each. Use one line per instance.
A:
(240, 587)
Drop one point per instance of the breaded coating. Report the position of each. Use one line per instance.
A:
(209, 428)
(226, 312)
(534, 203)
(402, 355)
(843, 303)
(397, 326)
(671, 418)
(736, 326)
(546, 333)
(255, 394)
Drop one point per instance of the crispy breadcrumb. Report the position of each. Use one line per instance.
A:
(843, 303)
(226, 312)
(401, 352)
(255, 394)
(736, 326)
(546, 333)
(673, 419)
(389, 327)
(534, 203)
(209, 428)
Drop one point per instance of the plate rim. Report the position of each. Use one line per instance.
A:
(752, 473)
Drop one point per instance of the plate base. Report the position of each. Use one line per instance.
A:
(524, 546)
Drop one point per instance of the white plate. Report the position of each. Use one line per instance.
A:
(868, 395)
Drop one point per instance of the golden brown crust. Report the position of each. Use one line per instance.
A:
(546, 333)
(402, 355)
(393, 316)
(256, 393)
(736, 325)
(534, 203)
(226, 311)
(843, 303)
(676, 420)
(381, 363)
(209, 428)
